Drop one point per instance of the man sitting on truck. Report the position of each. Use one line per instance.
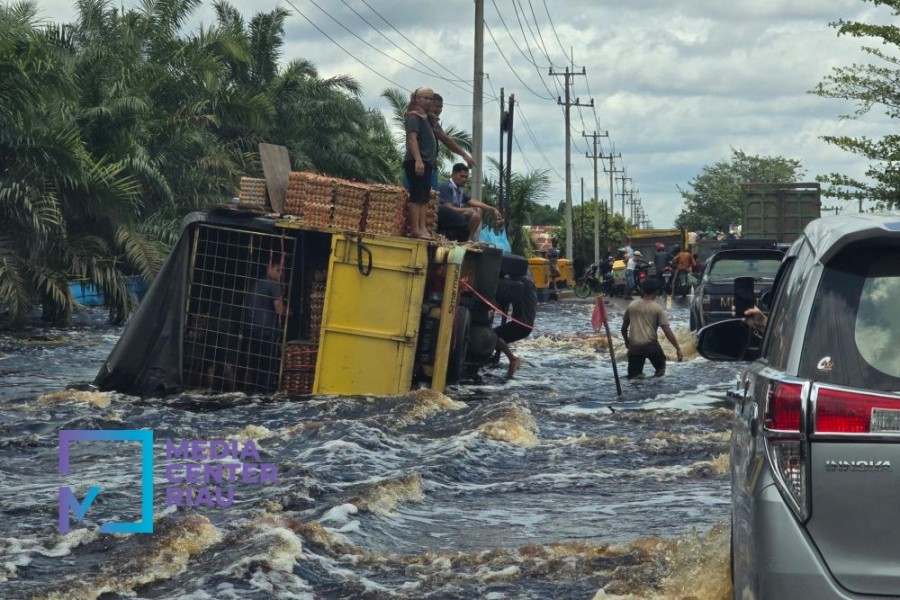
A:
(459, 215)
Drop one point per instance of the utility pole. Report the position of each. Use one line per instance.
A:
(582, 217)
(623, 179)
(569, 104)
(612, 171)
(477, 101)
(595, 156)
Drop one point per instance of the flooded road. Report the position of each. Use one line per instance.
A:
(548, 486)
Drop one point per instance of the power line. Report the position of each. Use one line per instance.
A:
(491, 33)
(538, 28)
(392, 42)
(552, 26)
(347, 52)
(383, 53)
(414, 45)
(537, 144)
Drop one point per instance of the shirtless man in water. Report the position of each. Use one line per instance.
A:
(520, 326)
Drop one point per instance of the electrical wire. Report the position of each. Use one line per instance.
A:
(500, 50)
(414, 45)
(347, 52)
(552, 26)
(538, 28)
(392, 42)
(383, 53)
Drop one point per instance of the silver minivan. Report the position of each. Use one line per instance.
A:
(815, 454)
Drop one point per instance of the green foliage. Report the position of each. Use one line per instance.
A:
(613, 229)
(115, 126)
(868, 85)
(713, 199)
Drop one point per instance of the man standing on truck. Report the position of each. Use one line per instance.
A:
(643, 317)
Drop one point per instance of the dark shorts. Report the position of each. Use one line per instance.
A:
(511, 332)
(419, 186)
(640, 354)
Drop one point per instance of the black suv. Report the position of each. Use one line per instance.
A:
(713, 299)
(816, 432)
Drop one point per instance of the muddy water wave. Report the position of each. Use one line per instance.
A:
(547, 486)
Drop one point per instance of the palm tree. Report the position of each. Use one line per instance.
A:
(399, 100)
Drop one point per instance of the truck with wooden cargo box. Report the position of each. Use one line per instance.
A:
(366, 310)
(770, 211)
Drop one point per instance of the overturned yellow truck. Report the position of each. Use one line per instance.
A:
(361, 313)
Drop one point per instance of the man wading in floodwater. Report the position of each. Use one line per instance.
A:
(644, 317)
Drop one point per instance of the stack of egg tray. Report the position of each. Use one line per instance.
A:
(299, 371)
(431, 218)
(253, 192)
(316, 306)
(387, 207)
(349, 205)
(310, 197)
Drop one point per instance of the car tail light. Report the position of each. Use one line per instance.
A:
(786, 443)
(848, 411)
(705, 302)
(783, 407)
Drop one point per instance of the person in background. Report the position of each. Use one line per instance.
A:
(639, 330)
(265, 306)
(553, 255)
(684, 266)
(633, 262)
(520, 326)
(420, 160)
(459, 215)
(660, 260)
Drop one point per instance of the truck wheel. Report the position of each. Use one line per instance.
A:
(459, 343)
(583, 289)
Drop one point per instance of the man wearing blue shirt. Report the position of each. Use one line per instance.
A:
(459, 215)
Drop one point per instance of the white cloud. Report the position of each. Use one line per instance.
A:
(676, 84)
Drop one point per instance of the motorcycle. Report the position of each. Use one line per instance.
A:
(590, 283)
(641, 272)
(668, 275)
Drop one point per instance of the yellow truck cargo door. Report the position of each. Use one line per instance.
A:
(370, 320)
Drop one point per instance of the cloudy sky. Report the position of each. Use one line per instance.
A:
(676, 84)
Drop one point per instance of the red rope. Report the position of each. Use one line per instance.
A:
(496, 308)
(545, 332)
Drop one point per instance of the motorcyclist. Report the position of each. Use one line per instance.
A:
(660, 260)
(684, 266)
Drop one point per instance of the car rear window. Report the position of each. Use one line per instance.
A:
(729, 268)
(854, 329)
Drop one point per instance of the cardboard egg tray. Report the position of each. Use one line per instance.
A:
(310, 197)
(299, 381)
(252, 192)
(316, 306)
(387, 204)
(350, 201)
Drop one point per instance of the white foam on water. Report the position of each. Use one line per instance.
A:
(14, 553)
(66, 542)
(340, 513)
(284, 586)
